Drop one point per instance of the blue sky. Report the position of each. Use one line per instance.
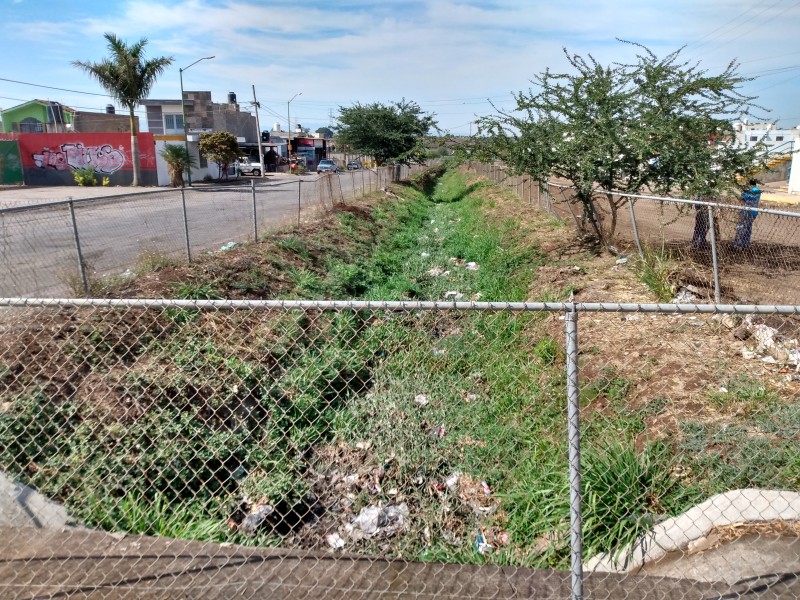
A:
(450, 56)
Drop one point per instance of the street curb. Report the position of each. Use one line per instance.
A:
(678, 533)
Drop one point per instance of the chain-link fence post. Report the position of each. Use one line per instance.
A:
(77, 240)
(635, 229)
(299, 187)
(714, 260)
(186, 226)
(255, 215)
(341, 191)
(353, 181)
(574, 437)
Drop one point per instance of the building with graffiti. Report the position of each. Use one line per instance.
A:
(50, 158)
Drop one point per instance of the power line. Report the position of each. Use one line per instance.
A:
(736, 18)
(49, 87)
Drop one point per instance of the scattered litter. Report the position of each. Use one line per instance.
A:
(470, 397)
(486, 489)
(335, 541)
(424, 255)
(481, 545)
(472, 266)
(454, 295)
(748, 354)
(350, 480)
(631, 317)
(769, 359)
(438, 351)
(685, 296)
(438, 272)
(258, 514)
(421, 399)
(374, 520)
(723, 390)
(476, 296)
(369, 520)
(452, 481)
(363, 445)
(227, 246)
(622, 261)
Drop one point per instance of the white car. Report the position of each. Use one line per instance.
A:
(250, 166)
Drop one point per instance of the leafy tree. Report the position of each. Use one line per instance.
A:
(660, 125)
(395, 132)
(177, 160)
(326, 132)
(220, 147)
(128, 77)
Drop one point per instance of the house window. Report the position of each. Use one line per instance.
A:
(753, 138)
(203, 162)
(30, 125)
(778, 138)
(173, 124)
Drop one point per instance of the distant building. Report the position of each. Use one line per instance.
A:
(774, 139)
(165, 122)
(47, 116)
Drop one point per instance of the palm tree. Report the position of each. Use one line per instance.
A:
(128, 77)
(177, 160)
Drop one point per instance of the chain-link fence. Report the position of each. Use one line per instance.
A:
(720, 251)
(69, 247)
(398, 450)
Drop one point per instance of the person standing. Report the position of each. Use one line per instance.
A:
(744, 229)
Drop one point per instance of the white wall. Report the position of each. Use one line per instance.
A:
(198, 173)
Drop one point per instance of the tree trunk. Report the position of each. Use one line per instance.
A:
(134, 150)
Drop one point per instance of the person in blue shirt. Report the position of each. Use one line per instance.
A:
(744, 229)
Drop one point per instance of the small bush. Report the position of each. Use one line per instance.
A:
(85, 176)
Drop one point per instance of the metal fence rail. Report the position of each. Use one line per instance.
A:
(386, 449)
(67, 247)
(722, 252)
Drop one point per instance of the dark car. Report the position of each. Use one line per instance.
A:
(353, 165)
(326, 165)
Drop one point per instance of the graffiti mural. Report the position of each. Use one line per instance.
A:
(50, 158)
(104, 158)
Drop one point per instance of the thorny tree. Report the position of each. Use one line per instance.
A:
(388, 133)
(661, 125)
(128, 77)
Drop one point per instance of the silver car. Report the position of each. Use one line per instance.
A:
(327, 165)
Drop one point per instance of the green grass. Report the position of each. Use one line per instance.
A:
(656, 270)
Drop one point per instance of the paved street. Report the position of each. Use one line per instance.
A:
(38, 255)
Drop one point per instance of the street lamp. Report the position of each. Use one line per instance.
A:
(288, 121)
(183, 112)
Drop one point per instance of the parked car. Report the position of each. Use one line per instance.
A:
(353, 165)
(250, 166)
(327, 165)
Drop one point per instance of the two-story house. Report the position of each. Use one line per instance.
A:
(165, 122)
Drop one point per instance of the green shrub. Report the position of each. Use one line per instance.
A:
(85, 176)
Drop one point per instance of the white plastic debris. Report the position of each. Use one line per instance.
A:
(622, 261)
(421, 399)
(335, 541)
(455, 295)
(424, 254)
(452, 481)
(227, 246)
(472, 266)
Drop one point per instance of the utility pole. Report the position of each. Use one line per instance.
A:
(258, 136)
